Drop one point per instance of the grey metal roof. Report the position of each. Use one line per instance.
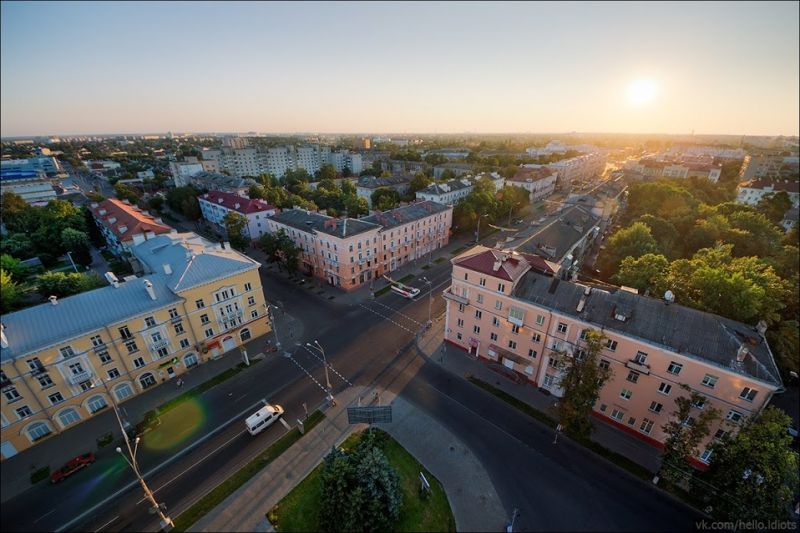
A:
(681, 329)
(405, 214)
(193, 260)
(315, 222)
(559, 232)
(44, 325)
(452, 185)
(371, 182)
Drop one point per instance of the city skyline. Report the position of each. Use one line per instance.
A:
(76, 69)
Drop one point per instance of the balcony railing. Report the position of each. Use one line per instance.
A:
(80, 377)
(639, 367)
(450, 295)
(163, 343)
(100, 347)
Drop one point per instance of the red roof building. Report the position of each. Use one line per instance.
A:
(124, 225)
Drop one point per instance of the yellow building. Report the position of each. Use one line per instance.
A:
(194, 301)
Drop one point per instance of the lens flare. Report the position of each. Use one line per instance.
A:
(176, 426)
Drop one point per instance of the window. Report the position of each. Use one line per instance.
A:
(748, 394)
(656, 407)
(493, 336)
(617, 415)
(721, 434)
(113, 373)
(734, 416)
(209, 332)
(540, 319)
(245, 334)
(147, 380)
(162, 352)
(38, 430)
(515, 329)
(476, 329)
(501, 287)
(458, 336)
(700, 403)
(96, 403)
(604, 364)
(633, 377)
(480, 298)
(190, 360)
(495, 321)
(646, 426)
(204, 319)
(549, 380)
(498, 305)
(66, 352)
(603, 407)
(173, 313)
(149, 322)
(466, 276)
(536, 337)
(611, 346)
(55, 398)
(131, 346)
(184, 343)
(460, 308)
(251, 300)
(34, 364)
(45, 381)
(478, 314)
(584, 334)
(706, 455)
(105, 358)
(625, 394)
(460, 322)
(96, 340)
(664, 388)
(631, 421)
(11, 394)
(532, 353)
(710, 381)
(640, 358)
(125, 333)
(248, 287)
(562, 328)
(675, 368)
(512, 345)
(156, 336)
(199, 303)
(482, 282)
(138, 362)
(122, 391)
(23, 411)
(179, 328)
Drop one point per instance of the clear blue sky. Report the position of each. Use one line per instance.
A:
(723, 67)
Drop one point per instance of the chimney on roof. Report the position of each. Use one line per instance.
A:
(741, 353)
(3, 339)
(226, 245)
(149, 288)
(344, 228)
(167, 268)
(53, 300)
(112, 279)
(761, 327)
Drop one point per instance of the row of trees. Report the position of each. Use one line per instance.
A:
(497, 207)
(754, 473)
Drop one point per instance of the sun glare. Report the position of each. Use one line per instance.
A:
(641, 91)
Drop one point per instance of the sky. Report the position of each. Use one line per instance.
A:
(427, 67)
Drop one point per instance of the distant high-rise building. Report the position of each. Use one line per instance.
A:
(361, 144)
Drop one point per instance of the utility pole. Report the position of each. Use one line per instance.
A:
(274, 326)
(73, 262)
(325, 364)
(430, 297)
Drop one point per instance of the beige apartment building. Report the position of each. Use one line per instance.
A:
(514, 309)
(65, 361)
(348, 253)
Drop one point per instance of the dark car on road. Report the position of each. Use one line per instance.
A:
(72, 466)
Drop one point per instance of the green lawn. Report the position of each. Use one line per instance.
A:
(407, 277)
(298, 511)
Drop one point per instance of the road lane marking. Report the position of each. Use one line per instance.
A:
(289, 356)
(329, 365)
(397, 312)
(282, 421)
(106, 524)
(46, 514)
(387, 318)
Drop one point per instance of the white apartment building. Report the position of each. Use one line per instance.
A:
(182, 172)
(539, 182)
(451, 192)
(277, 160)
(580, 168)
(751, 192)
(216, 204)
(48, 165)
(346, 159)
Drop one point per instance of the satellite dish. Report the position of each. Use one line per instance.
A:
(668, 296)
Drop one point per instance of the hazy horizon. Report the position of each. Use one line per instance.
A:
(455, 68)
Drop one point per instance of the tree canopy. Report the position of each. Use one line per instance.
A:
(235, 227)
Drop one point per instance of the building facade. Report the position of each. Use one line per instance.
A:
(349, 253)
(453, 191)
(539, 182)
(124, 225)
(183, 171)
(195, 301)
(277, 160)
(214, 205)
(772, 167)
(367, 185)
(751, 192)
(32, 186)
(514, 309)
(48, 165)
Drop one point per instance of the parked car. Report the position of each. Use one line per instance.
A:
(72, 466)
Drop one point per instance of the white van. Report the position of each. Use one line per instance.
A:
(263, 418)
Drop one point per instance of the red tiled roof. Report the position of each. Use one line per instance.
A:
(511, 268)
(127, 216)
(230, 201)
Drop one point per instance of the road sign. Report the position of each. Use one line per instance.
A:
(374, 414)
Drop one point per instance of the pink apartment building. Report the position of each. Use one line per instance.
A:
(349, 252)
(512, 308)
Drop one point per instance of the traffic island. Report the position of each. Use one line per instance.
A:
(421, 510)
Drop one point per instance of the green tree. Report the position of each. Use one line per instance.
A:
(18, 245)
(774, 206)
(77, 242)
(646, 272)
(360, 489)
(417, 183)
(10, 292)
(684, 433)
(581, 384)
(14, 267)
(62, 284)
(326, 172)
(785, 343)
(235, 226)
(184, 200)
(280, 249)
(385, 198)
(11, 207)
(124, 192)
(633, 241)
(447, 175)
(156, 204)
(753, 475)
(665, 234)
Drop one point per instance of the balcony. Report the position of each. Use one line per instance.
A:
(175, 320)
(450, 295)
(80, 377)
(639, 367)
(100, 347)
(163, 343)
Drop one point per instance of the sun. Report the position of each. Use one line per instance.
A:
(641, 91)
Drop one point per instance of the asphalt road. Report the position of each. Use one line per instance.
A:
(556, 487)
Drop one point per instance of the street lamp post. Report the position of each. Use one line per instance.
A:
(274, 326)
(325, 364)
(478, 233)
(73, 262)
(510, 209)
(430, 297)
(166, 521)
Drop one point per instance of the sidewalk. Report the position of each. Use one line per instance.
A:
(473, 499)
(58, 449)
(461, 363)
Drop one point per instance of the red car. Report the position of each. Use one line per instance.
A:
(72, 466)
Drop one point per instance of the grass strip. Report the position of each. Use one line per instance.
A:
(619, 460)
(439, 260)
(383, 291)
(407, 277)
(203, 506)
